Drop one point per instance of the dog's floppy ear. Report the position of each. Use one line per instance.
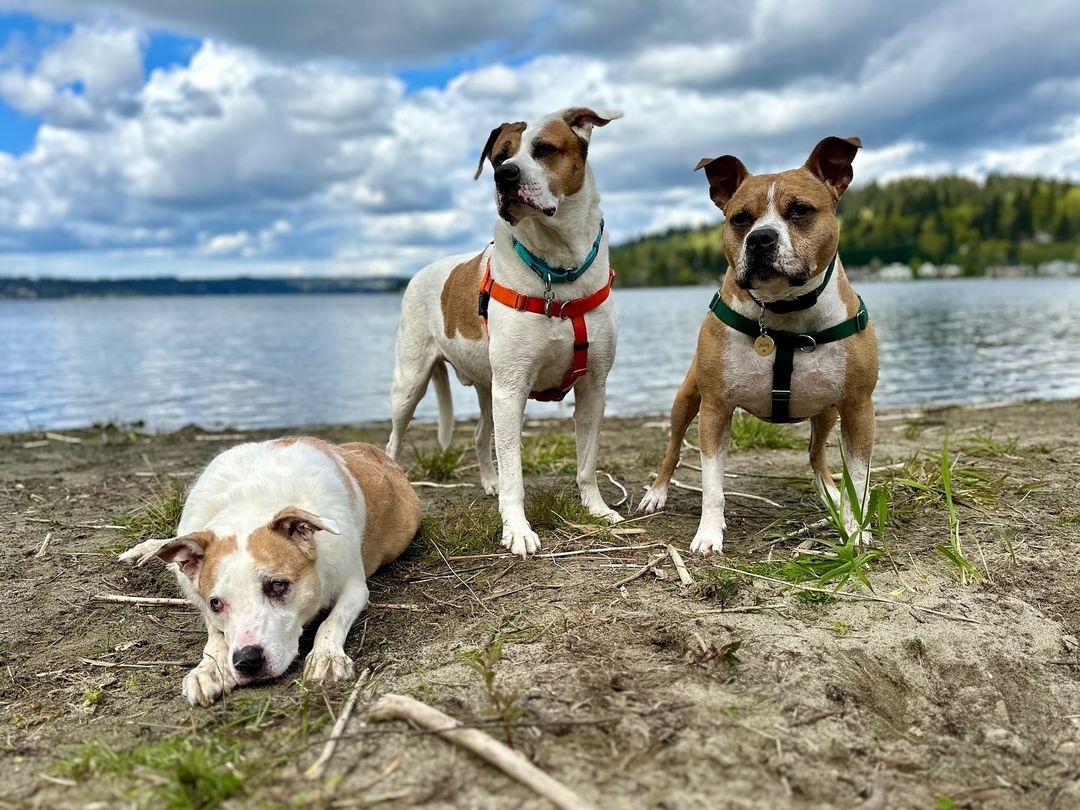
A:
(583, 119)
(485, 153)
(300, 526)
(831, 161)
(725, 175)
(186, 551)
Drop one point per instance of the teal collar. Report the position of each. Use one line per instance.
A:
(556, 275)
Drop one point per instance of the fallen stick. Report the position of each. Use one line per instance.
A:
(44, 545)
(140, 600)
(395, 606)
(727, 493)
(680, 566)
(60, 437)
(435, 485)
(549, 556)
(319, 766)
(141, 665)
(622, 489)
(510, 762)
(640, 572)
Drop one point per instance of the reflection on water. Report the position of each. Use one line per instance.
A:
(294, 360)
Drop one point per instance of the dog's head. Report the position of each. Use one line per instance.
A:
(780, 230)
(538, 165)
(259, 590)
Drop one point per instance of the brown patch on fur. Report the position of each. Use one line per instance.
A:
(393, 510)
(459, 296)
(503, 142)
(278, 554)
(565, 167)
(216, 550)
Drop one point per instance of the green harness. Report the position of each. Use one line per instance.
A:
(785, 344)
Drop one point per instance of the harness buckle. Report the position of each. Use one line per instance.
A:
(809, 347)
(521, 302)
(549, 298)
(781, 394)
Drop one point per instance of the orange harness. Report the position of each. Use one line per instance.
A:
(573, 309)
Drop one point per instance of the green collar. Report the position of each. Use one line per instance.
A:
(804, 301)
(804, 341)
(556, 275)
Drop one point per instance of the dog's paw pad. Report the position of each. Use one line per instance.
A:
(206, 684)
(328, 665)
(521, 541)
(706, 543)
(653, 501)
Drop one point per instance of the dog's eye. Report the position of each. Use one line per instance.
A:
(276, 588)
(216, 604)
(542, 150)
(742, 219)
(800, 210)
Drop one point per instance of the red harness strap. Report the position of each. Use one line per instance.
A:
(573, 309)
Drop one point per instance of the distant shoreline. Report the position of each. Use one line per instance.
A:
(51, 289)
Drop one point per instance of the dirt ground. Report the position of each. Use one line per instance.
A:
(734, 692)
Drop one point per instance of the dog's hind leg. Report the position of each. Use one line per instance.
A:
(857, 432)
(683, 410)
(820, 428)
(485, 426)
(590, 397)
(416, 359)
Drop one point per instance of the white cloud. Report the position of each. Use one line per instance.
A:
(246, 160)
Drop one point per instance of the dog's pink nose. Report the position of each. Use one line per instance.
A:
(248, 660)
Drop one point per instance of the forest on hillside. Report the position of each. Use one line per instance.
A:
(1005, 220)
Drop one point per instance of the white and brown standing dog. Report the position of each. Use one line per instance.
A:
(786, 338)
(271, 533)
(542, 287)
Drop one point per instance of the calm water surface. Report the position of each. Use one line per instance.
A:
(265, 361)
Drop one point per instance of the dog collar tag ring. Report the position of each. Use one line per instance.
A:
(764, 345)
(549, 296)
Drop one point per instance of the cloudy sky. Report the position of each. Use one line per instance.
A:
(209, 137)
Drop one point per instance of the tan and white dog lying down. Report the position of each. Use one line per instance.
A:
(549, 328)
(273, 532)
(786, 338)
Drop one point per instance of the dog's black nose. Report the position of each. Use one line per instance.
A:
(762, 239)
(248, 660)
(507, 173)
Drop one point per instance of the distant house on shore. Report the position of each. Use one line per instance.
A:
(895, 272)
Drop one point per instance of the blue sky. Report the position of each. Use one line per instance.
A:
(332, 137)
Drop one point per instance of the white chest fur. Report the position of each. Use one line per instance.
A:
(818, 377)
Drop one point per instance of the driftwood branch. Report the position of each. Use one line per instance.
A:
(640, 572)
(510, 762)
(680, 566)
(141, 600)
(319, 766)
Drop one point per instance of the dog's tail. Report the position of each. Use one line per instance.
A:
(446, 403)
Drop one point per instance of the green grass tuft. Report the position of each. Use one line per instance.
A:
(988, 447)
(461, 529)
(184, 772)
(438, 465)
(158, 517)
(548, 507)
(548, 454)
(750, 433)
(716, 585)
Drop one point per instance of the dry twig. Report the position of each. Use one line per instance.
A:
(510, 762)
(680, 566)
(319, 766)
(140, 600)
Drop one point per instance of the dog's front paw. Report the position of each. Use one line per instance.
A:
(653, 500)
(708, 542)
(490, 484)
(328, 664)
(607, 513)
(207, 683)
(520, 539)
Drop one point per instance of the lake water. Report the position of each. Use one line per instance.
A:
(266, 361)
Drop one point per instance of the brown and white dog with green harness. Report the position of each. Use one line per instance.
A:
(786, 338)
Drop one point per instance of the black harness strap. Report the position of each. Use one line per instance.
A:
(786, 345)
